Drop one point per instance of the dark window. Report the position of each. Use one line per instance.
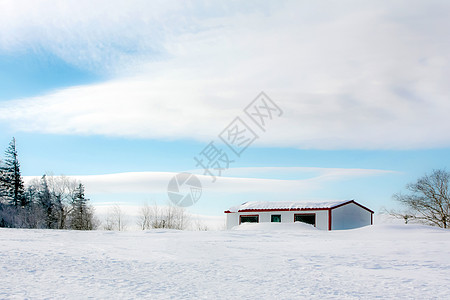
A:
(275, 218)
(305, 218)
(250, 219)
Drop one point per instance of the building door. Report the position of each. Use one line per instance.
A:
(305, 218)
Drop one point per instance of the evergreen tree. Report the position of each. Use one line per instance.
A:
(2, 186)
(81, 215)
(12, 182)
(46, 201)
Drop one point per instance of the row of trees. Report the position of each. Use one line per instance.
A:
(152, 217)
(55, 202)
(59, 202)
(173, 217)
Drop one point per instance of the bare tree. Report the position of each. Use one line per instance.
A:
(63, 190)
(108, 225)
(115, 219)
(170, 216)
(62, 203)
(428, 201)
(31, 216)
(55, 194)
(144, 218)
(200, 226)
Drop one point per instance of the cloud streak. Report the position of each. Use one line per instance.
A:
(235, 182)
(361, 75)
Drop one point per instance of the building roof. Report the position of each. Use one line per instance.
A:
(289, 206)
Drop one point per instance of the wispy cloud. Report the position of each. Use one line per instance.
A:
(361, 75)
(253, 181)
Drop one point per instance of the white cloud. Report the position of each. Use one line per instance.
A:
(238, 180)
(131, 190)
(361, 75)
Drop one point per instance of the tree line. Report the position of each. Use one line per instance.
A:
(59, 202)
(53, 202)
(153, 217)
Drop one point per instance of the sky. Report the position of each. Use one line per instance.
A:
(124, 95)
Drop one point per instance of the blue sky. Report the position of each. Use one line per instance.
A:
(124, 95)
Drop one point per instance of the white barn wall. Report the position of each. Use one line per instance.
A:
(350, 216)
(321, 219)
(286, 217)
(232, 220)
(344, 215)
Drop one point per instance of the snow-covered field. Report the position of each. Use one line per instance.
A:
(256, 262)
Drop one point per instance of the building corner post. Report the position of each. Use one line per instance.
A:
(329, 219)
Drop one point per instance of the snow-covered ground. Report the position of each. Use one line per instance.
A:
(258, 261)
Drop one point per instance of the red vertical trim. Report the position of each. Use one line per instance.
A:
(371, 219)
(329, 219)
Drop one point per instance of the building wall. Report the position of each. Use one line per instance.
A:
(350, 216)
(232, 220)
(286, 217)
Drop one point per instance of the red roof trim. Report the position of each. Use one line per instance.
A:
(300, 209)
(279, 209)
(354, 202)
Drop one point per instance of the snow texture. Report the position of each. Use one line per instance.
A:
(258, 261)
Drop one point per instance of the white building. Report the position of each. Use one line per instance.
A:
(334, 215)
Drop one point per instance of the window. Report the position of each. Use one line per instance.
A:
(249, 219)
(275, 218)
(305, 218)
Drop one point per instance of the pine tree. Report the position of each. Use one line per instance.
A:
(46, 201)
(82, 216)
(2, 185)
(12, 182)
